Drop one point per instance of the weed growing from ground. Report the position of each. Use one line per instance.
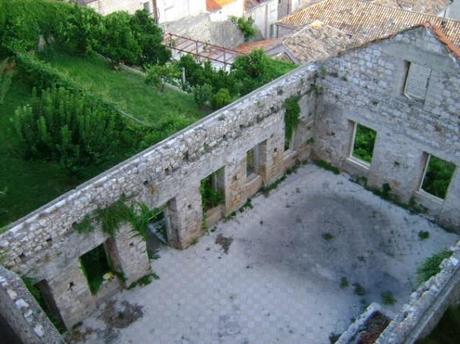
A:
(344, 283)
(359, 289)
(423, 235)
(388, 298)
(327, 236)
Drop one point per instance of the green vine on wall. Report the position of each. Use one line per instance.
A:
(291, 117)
(110, 218)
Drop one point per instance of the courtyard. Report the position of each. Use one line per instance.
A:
(297, 267)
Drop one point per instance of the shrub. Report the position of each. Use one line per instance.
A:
(432, 265)
(246, 26)
(202, 94)
(118, 42)
(158, 75)
(65, 126)
(150, 39)
(221, 98)
(81, 30)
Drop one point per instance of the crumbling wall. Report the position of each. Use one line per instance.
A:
(427, 305)
(22, 313)
(366, 86)
(44, 245)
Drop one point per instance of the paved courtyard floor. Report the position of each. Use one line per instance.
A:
(287, 271)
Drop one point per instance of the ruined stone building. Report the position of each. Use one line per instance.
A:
(404, 87)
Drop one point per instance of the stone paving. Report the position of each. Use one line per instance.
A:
(279, 280)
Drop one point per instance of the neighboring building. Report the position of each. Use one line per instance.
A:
(364, 21)
(402, 86)
(264, 13)
(170, 10)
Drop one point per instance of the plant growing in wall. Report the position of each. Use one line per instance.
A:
(210, 196)
(291, 118)
(246, 26)
(432, 265)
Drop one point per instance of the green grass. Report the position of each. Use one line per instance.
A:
(128, 91)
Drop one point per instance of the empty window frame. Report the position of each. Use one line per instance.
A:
(417, 79)
(158, 225)
(437, 176)
(212, 190)
(363, 143)
(95, 264)
(254, 159)
(42, 294)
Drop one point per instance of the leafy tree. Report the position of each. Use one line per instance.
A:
(65, 126)
(150, 39)
(81, 29)
(118, 41)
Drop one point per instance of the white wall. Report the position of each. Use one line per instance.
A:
(235, 8)
(171, 10)
(105, 7)
(264, 16)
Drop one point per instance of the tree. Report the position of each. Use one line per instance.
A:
(150, 39)
(118, 42)
(81, 29)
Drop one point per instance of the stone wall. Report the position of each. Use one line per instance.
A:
(427, 305)
(45, 246)
(365, 86)
(22, 313)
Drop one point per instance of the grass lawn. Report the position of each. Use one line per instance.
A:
(126, 90)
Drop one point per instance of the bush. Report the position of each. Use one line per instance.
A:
(120, 36)
(221, 98)
(246, 26)
(150, 39)
(202, 94)
(158, 75)
(65, 126)
(118, 42)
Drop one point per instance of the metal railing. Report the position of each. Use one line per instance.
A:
(200, 49)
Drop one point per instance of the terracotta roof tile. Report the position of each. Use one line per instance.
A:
(369, 21)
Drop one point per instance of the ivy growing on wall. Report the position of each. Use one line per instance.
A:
(291, 118)
(110, 218)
